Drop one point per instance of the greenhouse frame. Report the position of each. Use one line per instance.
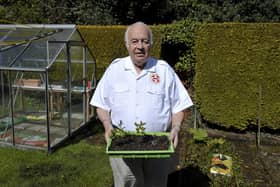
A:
(47, 76)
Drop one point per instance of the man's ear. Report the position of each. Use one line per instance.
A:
(126, 45)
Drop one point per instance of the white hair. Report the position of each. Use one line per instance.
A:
(139, 23)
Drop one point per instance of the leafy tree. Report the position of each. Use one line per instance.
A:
(150, 11)
(227, 10)
(20, 11)
(259, 11)
(54, 11)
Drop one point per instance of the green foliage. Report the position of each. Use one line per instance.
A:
(227, 10)
(107, 43)
(118, 131)
(148, 11)
(199, 155)
(178, 48)
(233, 61)
(140, 127)
(21, 11)
(106, 12)
(79, 164)
(215, 143)
(199, 135)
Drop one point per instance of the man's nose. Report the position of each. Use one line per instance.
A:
(140, 44)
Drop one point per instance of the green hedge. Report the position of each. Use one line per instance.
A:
(107, 43)
(233, 61)
(237, 70)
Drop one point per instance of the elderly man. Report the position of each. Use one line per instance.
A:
(139, 88)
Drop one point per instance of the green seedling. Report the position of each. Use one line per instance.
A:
(140, 127)
(118, 130)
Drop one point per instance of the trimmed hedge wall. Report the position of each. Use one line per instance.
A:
(107, 43)
(238, 70)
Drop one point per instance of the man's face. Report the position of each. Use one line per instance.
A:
(138, 45)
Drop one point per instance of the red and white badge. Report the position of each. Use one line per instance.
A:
(155, 78)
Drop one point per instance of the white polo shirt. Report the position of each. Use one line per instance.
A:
(151, 97)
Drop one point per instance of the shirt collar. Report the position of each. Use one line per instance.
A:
(149, 67)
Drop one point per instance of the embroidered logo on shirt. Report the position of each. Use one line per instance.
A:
(155, 78)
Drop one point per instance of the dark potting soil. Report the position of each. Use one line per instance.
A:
(139, 143)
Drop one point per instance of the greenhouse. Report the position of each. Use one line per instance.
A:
(47, 75)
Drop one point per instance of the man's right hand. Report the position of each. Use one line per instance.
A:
(104, 117)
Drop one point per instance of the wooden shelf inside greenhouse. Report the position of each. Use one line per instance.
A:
(29, 82)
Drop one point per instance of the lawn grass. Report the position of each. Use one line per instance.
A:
(79, 164)
(82, 162)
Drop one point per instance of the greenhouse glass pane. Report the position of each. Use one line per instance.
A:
(56, 50)
(8, 56)
(62, 35)
(35, 56)
(19, 35)
(44, 90)
(37, 39)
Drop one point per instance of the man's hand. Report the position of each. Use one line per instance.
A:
(104, 117)
(107, 134)
(174, 135)
(177, 120)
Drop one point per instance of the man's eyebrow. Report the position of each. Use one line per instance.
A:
(142, 39)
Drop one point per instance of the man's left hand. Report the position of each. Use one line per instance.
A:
(174, 136)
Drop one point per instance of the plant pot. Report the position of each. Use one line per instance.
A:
(140, 145)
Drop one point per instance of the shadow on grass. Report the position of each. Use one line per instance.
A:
(188, 176)
(91, 128)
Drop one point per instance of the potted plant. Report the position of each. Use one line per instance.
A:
(139, 144)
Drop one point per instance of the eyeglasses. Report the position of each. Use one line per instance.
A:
(143, 42)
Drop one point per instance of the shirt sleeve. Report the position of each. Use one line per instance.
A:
(179, 96)
(100, 97)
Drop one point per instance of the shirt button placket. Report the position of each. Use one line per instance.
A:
(137, 96)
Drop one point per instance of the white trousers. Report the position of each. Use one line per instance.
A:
(141, 172)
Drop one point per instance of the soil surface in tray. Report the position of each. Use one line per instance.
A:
(139, 143)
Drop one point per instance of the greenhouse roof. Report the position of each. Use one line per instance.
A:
(33, 46)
